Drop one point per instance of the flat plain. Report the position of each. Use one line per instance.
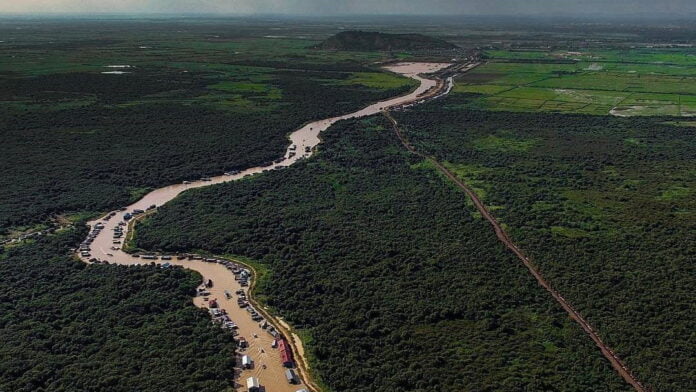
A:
(621, 82)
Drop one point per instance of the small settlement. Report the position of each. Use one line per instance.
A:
(218, 314)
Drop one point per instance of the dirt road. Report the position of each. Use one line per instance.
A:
(615, 361)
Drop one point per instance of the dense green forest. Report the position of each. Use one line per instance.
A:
(92, 116)
(605, 206)
(383, 266)
(91, 124)
(390, 275)
(373, 40)
(66, 326)
(103, 155)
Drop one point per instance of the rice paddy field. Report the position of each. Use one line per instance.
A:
(634, 82)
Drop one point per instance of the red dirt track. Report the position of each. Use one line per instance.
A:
(615, 361)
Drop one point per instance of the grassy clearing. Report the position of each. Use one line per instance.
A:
(472, 175)
(630, 110)
(690, 124)
(518, 54)
(622, 82)
(569, 232)
(504, 143)
(83, 216)
(589, 204)
(646, 56)
(258, 90)
(675, 192)
(486, 89)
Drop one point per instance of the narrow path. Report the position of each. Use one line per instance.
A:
(615, 361)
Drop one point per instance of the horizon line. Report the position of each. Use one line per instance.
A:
(210, 14)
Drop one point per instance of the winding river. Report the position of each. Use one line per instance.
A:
(267, 366)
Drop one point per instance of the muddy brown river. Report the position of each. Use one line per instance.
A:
(267, 366)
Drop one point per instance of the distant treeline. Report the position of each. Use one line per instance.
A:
(374, 40)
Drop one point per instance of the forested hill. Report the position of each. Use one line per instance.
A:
(371, 41)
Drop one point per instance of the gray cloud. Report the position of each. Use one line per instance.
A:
(338, 7)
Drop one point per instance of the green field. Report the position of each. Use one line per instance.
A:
(659, 56)
(656, 83)
(379, 80)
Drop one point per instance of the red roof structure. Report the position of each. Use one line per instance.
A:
(285, 353)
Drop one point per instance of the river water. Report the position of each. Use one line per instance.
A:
(302, 143)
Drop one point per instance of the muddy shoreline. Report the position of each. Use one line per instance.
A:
(108, 234)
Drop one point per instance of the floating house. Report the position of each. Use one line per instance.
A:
(285, 353)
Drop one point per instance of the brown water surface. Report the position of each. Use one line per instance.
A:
(273, 376)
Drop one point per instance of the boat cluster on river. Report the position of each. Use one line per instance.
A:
(262, 344)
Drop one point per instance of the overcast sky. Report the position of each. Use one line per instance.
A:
(339, 7)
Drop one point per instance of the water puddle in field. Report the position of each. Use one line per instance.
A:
(119, 67)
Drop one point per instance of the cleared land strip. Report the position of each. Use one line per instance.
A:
(615, 361)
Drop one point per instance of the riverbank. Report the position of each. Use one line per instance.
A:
(267, 363)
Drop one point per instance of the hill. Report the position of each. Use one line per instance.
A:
(371, 41)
